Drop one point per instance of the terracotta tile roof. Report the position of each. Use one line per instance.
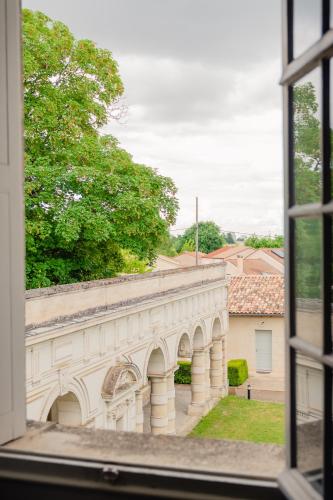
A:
(201, 254)
(256, 266)
(271, 253)
(227, 250)
(256, 295)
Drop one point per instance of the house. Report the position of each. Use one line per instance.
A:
(256, 327)
(163, 263)
(241, 259)
(185, 259)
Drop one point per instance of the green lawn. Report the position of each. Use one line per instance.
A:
(242, 419)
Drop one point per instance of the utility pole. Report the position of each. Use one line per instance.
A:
(196, 231)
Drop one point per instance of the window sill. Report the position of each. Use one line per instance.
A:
(245, 458)
(119, 461)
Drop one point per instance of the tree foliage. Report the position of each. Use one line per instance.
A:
(210, 237)
(306, 144)
(230, 238)
(255, 241)
(308, 187)
(86, 199)
(168, 246)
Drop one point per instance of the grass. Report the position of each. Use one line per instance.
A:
(241, 419)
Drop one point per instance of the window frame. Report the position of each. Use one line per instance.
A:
(316, 56)
(21, 470)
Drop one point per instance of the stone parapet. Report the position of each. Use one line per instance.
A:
(49, 304)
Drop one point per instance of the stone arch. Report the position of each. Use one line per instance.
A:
(199, 326)
(156, 363)
(119, 397)
(161, 347)
(198, 338)
(74, 387)
(217, 329)
(120, 378)
(183, 346)
(66, 410)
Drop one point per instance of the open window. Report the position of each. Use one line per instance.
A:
(307, 91)
(308, 231)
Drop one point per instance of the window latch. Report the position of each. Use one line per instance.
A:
(110, 474)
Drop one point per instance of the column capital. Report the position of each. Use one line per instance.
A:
(159, 376)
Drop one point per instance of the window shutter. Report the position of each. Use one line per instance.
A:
(12, 352)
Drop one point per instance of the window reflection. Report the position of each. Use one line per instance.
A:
(307, 24)
(308, 280)
(309, 418)
(306, 125)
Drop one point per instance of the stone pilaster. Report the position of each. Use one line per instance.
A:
(159, 405)
(139, 411)
(171, 403)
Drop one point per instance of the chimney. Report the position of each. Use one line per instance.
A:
(240, 264)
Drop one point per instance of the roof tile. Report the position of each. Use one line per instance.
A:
(256, 295)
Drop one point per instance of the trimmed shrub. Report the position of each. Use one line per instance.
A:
(183, 374)
(237, 372)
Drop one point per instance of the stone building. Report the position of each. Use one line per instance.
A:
(97, 352)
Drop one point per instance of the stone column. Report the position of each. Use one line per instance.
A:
(207, 374)
(216, 368)
(171, 403)
(159, 405)
(224, 367)
(139, 411)
(198, 385)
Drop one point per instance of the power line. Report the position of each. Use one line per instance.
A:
(225, 231)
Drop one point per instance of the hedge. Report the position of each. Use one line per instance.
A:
(183, 374)
(237, 371)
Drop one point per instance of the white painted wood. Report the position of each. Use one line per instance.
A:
(12, 366)
(264, 350)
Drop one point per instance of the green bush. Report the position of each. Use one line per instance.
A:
(183, 374)
(237, 371)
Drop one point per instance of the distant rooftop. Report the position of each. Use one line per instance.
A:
(254, 295)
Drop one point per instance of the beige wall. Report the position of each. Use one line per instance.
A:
(242, 342)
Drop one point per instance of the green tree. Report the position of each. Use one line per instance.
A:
(168, 246)
(132, 264)
(188, 246)
(255, 241)
(306, 144)
(86, 199)
(210, 237)
(308, 232)
(229, 238)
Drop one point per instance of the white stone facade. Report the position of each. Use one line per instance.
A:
(93, 356)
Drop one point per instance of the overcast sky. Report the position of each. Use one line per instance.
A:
(204, 104)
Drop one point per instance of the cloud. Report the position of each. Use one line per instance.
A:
(204, 105)
(229, 33)
(168, 90)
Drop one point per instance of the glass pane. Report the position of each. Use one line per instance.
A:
(306, 125)
(309, 419)
(308, 235)
(307, 24)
